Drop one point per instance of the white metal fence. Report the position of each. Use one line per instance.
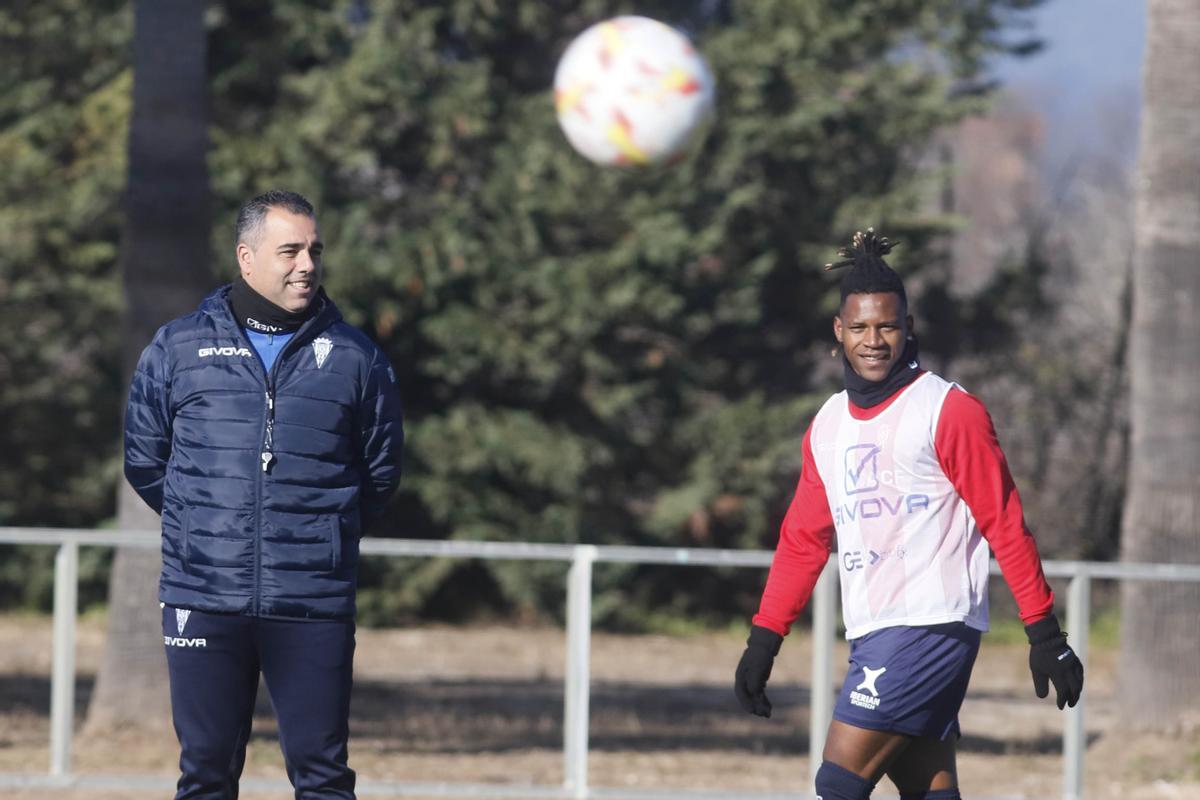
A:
(581, 559)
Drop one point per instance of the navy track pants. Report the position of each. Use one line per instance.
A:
(214, 661)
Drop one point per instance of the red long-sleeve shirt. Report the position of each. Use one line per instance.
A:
(969, 454)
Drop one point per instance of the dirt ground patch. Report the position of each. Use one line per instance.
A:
(484, 705)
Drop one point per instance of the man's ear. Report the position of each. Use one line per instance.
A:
(245, 258)
(908, 323)
(837, 328)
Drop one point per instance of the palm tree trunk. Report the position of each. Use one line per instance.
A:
(166, 268)
(1160, 648)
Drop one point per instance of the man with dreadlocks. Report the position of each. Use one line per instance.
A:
(906, 469)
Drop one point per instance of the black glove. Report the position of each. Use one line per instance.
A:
(750, 680)
(1051, 659)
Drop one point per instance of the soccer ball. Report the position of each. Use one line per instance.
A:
(631, 90)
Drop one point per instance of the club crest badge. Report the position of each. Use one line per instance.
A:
(181, 618)
(321, 349)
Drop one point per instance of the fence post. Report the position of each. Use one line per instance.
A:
(62, 675)
(576, 684)
(824, 611)
(1079, 606)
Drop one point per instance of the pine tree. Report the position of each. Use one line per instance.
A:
(587, 355)
(64, 107)
(596, 355)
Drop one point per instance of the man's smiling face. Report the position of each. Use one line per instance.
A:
(872, 329)
(282, 262)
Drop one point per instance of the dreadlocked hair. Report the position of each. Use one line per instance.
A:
(868, 273)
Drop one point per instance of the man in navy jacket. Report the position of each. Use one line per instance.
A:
(267, 433)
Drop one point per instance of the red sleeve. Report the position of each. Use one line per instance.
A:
(805, 540)
(970, 455)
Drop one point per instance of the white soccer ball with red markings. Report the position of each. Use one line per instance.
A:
(631, 90)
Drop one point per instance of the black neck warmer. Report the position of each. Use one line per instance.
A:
(257, 313)
(865, 394)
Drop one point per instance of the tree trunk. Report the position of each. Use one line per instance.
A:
(1158, 678)
(165, 263)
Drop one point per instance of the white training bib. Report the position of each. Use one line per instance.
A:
(909, 550)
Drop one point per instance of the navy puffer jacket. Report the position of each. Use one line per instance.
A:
(264, 482)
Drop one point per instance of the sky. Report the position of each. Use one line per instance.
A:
(1086, 81)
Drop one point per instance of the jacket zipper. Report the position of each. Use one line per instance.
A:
(267, 455)
(268, 424)
(266, 458)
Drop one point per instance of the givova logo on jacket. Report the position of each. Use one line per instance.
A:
(206, 352)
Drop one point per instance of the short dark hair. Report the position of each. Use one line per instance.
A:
(868, 273)
(250, 217)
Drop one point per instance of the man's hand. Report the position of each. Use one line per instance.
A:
(750, 680)
(1051, 660)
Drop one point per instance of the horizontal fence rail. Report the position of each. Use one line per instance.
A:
(581, 559)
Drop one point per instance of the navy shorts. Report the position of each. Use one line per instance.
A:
(909, 680)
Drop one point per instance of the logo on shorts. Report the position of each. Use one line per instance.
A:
(869, 702)
(181, 618)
